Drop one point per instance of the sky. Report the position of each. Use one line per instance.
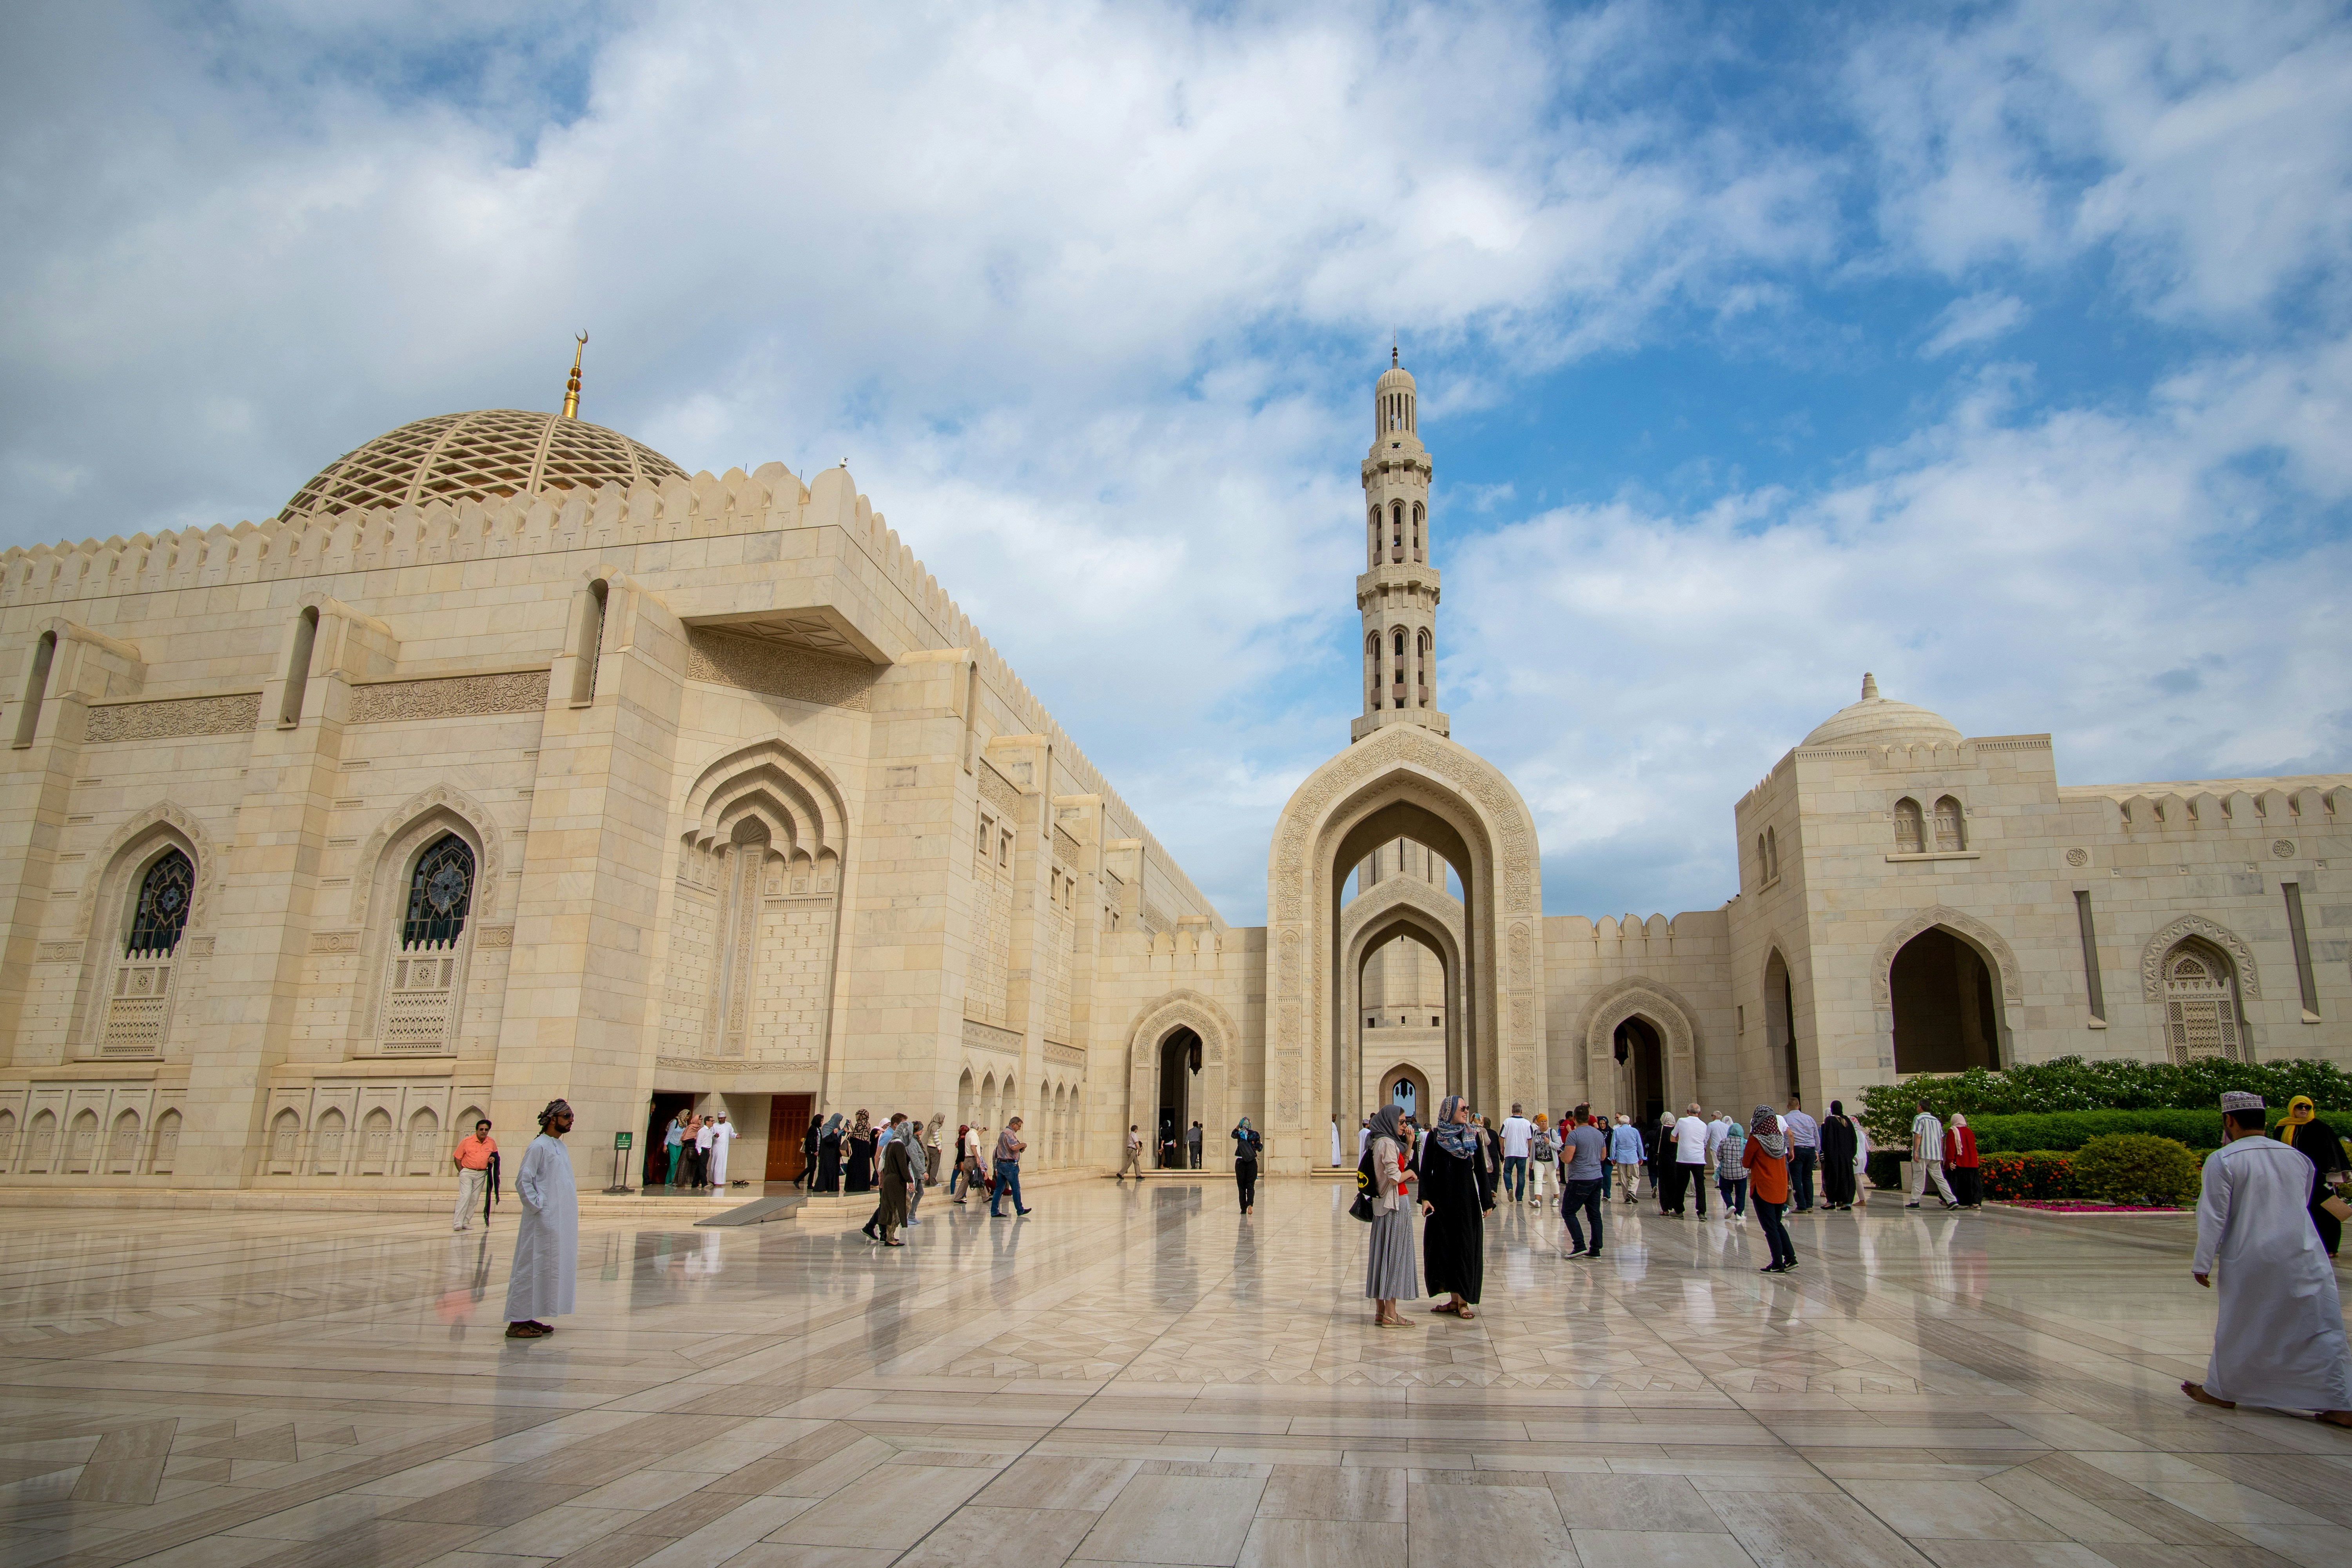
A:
(2002, 349)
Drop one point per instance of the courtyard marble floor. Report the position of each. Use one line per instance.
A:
(1128, 1376)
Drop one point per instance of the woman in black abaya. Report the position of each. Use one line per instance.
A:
(1838, 1145)
(828, 1155)
(861, 1155)
(1455, 1184)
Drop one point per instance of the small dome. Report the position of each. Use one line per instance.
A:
(1876, 721)
(493, 452)
(1396, 379)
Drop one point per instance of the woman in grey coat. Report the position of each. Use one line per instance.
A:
(1390, 1270)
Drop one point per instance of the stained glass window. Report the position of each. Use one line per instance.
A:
(165, 895)
(440, 892)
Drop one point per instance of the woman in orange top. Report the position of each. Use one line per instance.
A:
(1765, 1159)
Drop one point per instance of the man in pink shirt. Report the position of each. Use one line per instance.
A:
(472, 1162)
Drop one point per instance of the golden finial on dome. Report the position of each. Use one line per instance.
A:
(572, 387)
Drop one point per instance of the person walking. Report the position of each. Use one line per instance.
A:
(1390, 1271)
(807, 1178)
(547, 1242)
(1543, 1151)
(1519, 1137)
(828, 1155)
(702, 1136)
(975, 1175)
(1731, 1170)
(899, 1173)
(722, 1135)
(1193, 1146)
(1960, 1162)
(1860, 1163)
(1765, 1159)
(1837, 1157)
(1456, 1190)
(674, 1148)
(1690, 1161)
(1582, 1188)
(1247, 1147)
(2309, 1135)
(1008, 1170)
(1664, 1167)
(861, 1139)
(472, 1160)
(1625, 1152)
(2278, 1340)
(1134, 1154)
(1804, 1149)
(1927, 1158)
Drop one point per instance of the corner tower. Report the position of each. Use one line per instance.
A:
(1397, 594)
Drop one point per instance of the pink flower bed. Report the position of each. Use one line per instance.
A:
(2085, 1207)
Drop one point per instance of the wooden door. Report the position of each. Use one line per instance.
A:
(788, 1119)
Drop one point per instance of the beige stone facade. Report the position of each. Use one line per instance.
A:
(510, 762)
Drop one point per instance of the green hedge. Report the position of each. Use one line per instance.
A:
(2070, 1083)
(2199, 1130)
(2044, 1174)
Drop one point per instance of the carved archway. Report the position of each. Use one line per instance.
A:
(1667, 1011)
(2151, 958)
(410, 818)
(1220, 1056)
(1402, 781)
(1989, 945)
(98, 923)
(1421, 916)
(378, 887)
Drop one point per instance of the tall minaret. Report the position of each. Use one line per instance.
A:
(1398, 592)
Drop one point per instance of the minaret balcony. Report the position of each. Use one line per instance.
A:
(1391, 575)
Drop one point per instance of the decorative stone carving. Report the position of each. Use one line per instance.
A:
(998, 790)
(450, 697)
(2282, 847)
(1190, 1008)
(494, 936)
(2012, 985)
(730, 1065)
(2151, 958)
(173, 717)
(2078, 856)
(982, 1037)
(334, 942)
(169, 814)
(1065, 1055)
(779, 669)
(59, 952)
(1064, 846)
(443, 797)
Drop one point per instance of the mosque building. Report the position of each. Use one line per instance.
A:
(511, 761)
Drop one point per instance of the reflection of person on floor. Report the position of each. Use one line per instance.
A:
(547, 1243)
(2280, 1340)
(472, 1159)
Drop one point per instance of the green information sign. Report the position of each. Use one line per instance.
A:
(621, 1139)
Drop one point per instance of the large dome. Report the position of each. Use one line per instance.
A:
(492, 452)
(1874, 721)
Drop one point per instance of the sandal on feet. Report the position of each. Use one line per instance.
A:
(2196, 1391)
(2333, 1418)
(527, 1331)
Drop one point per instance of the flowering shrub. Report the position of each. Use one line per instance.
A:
(2133, 1168)
(2034, 1173)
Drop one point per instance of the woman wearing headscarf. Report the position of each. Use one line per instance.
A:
(1960, 1160)
(898, 1175)
(1837, 1157)
(828, 1155)
(1665, 1165)
(1860, 1163)
(1388, 1271)
(2310, 1135)
(1455, 1193)
(1247, 1146)
(808, 1151)
(861, 1155)
(1765, 1159)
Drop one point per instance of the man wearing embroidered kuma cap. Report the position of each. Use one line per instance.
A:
(2279, 1342)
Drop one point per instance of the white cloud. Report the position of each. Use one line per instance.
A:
(1977, 318)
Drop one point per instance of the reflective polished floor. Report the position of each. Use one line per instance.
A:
(1130, 1376)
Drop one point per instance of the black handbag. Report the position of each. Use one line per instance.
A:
(1365, 1188)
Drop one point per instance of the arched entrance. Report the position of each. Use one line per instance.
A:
(1402, 781)
(1944, 993)
(1780, 1025)
(1179, 1066)
(1641, 1058)
(1434, 1052)
(1407, 1088)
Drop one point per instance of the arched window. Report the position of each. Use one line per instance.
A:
(1400, 652)
(1417, 516)
(297, 669)
(81, 1147)
(1910, 828)
(963, 1099)
(329, 1143)
(424, 1142)
(41, 1144)
(1763, 870)
(1949, 834)
(440, 895)
(427, 969)
(1372, 533)
(37, 689)
(284, 1141)
(161, 912)
(1373, 668)
(2200, 1004)
(7, 1139)
(1396, 531)
(166, 1153)
(376, 1142)
(122, 1148)
(1772, 854)
(1420, 666)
